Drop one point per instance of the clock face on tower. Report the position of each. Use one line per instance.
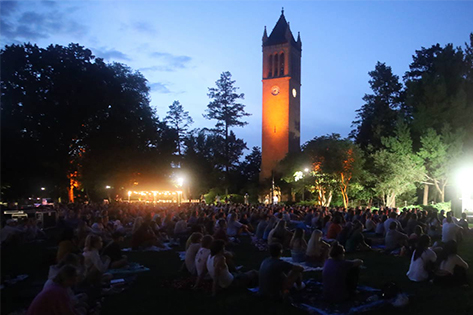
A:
(275, 90)
(294, 93)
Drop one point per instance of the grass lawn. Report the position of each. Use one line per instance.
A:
(147, 296)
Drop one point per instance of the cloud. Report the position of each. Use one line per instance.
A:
(106, 53)
(27, 24)
(171, 62)
(144, 27)
(159, 87)
(7, 8)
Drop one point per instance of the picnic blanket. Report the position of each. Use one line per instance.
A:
(302, 264)
(149, 249)
(132, 268)
(311, 300)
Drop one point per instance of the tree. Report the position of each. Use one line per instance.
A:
(179, 121)
(439, 152)
(335, 162)
(378, 116)
(396, 167)
(226, 109)
(437, 90)
(67, 116)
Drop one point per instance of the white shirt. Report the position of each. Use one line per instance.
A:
(233, 227)
(449, 264)
(417, 270)
(449, 232)
(190, 257)
(92, 259)
(201, 260)
(226, 278)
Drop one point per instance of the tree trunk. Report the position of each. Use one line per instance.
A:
(425, 200)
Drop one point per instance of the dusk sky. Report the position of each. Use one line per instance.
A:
(182, 47)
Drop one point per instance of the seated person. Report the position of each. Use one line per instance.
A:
(67, 245)
(453, 268)
(219, 272)
(464, 223)
(95, 266)
(201, 258)
(276, 276)
(394, 239)
(221, 231)
(422, 261)
(340, 276)
(191, 252)
(450, 230)
(334, 228)
(54, 299)
(355, 239)
(379, 231)
(79, 301)
(263, 223)
(235, 228)
(113, 250)
(142, 235)
(298, 245)
(317, 250)
(280, 234)
(370, 224)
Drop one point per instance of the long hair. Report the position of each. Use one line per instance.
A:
(297, 236)
(313, 248)
(137, 224)
(422, 245)
(91, 241)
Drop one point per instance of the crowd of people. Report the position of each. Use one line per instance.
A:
(92, 236)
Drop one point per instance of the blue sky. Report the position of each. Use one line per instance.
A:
(181, 47)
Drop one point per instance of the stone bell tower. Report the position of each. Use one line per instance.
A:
(281, 95)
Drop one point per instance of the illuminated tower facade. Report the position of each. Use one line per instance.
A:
(281, 95)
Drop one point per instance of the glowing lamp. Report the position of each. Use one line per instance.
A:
(108, 187)
(464, 181)
(42, 188)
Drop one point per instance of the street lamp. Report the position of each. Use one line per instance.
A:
(43, 188)
(108, 187)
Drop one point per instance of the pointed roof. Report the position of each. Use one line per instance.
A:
(279, 35)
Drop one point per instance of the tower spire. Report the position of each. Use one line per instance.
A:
(282, 11)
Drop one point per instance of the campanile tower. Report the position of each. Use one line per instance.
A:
(281, 95)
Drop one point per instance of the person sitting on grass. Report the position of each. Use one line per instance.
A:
(453, 268)
(298, 245)
(280, 234)
(335, 228)
(67, 245)
(191, 252)
(113, 250)
(95, 266)
(221, 231)
(277, 276)
(54, 299)
(340, 276)
(450, 230)
(463, 222)
(79, 300)
(143, 236)
(317, 250)
(394, 239)
(201, 259)
(356, 240)
(263, 223)
(219, 271)
(422, 261)
(235, 228)
(380, 226)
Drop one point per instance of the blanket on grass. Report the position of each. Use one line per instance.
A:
(302, 264)
(149, 249)
(310, 299)
(132, 268)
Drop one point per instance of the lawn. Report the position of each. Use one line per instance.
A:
(147, 295)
